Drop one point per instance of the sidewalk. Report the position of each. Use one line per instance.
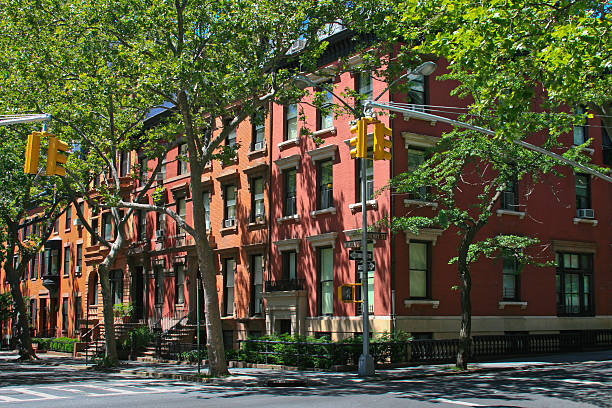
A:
(250, 377)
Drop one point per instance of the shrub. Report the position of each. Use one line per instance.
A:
(138, 337)
(62, 344)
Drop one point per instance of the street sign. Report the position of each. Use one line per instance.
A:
(352, 244)
(358, 255)
(377, 235)
(371, 267)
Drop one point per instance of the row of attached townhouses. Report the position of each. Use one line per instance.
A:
(277, 218)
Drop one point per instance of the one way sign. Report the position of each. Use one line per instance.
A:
(357, 255)
(371, 266)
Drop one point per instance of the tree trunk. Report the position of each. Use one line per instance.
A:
(21, 324)
(107, 312)
(465, 332)
(214, 333)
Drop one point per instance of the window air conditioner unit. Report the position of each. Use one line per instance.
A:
(229, 222)
(259, 146)
(77, 270)
(586, 213)
(159, 234)
(77, 222)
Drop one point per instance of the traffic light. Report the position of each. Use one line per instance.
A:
(55, 157)
(359, 144)
(381, 143)
(347, 293)
(32, 153)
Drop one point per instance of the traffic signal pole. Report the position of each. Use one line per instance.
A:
(366, 362)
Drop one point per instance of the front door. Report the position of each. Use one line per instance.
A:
(139, 293)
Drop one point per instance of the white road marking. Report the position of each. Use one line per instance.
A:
(9, 399)
(42, 395)
(467, 404)
(585, 382)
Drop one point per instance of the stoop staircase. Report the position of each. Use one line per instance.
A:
(181, 334)
(97, 346)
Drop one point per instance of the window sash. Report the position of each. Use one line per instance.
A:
(230, 266)
(179, 284)
(206, 201)
(583, 191)
(289, 265)
(230, 202)
(257, 285)
(326, 119)
(68, 218)
(291, 122)
(419, 269)
(326, 273)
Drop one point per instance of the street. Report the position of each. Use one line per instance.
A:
(578, 384)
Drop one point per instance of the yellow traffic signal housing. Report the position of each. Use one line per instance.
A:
(55, 157)
(346, 293)
(359, 144)
(381, 143)
(32, 153)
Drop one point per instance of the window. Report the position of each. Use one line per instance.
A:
(181, 160)
(68, 219)
(369, 178)
(291, 122)
(256, 284)
(94, 227)
(511, 282)
(580, 131)
(66, 260)
(574, 284)
(606, 146)
(180, 210)
(159, 284)
(116, 286)
(33, 313)
(56, 226)
(142, 169)
(51, 265)
(415, 159)
(509, 197)
(289, 265)
(364, 85)
(257, 199)
(162, 172)
(78, 313)
(206, 201)
(142, 225)
(93, 289)
(64, 315)
(160, 223)
(583, 192)
(230, 206)
(326, 281)
(258, 141)
(419, 269)
(325, 115)
(325, 183)
(34, 270)
(179, 284)
(79, 257)
(359, 293)
(416, 91)
(228, 283)
(290, 192)
(124, 164)
(231, 137)
(106, 226)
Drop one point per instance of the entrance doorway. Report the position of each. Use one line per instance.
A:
(139, 293)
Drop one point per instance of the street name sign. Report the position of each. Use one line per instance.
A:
(352, 244)
(377, 235)
(371, 267)
(358, 255)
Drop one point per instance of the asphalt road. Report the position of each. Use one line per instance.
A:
(586, 384)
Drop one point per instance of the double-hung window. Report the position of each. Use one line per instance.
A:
(291, 118)
(231, 138)
(511, 279)
(574, 284)
(580, 130)
(116, 286)
(230, 206)
(206, 201)
(325, 115)
(228, 284)
(106, 226)
(182, 159)
(290, 201)
(369, 178)
(419, 269)
(289, 265)
(159, 284)
(415, 159)
(66, 260)
(256, 284)
(583, 196)
(509, 197)
(416, 91)
(79, 258)
(326, 281)
(179, 283)
(68, 218)
(258, 141)
(364, 85)
(181, 211)
(325, 184)
(257, 199)
(142, 225)
(65, 315)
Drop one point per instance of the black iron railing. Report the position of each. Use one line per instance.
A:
(284, 285)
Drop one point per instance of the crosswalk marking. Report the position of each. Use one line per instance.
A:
(42, 395)
(9, 399)
(467, 404)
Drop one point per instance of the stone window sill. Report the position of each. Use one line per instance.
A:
(370, 205)
(411, 302)
(287, 218)
(420, 203)
(330, 210)
(255, 224)
(288, 143)
(254, 153)
(520, 214)
(229, 230)
(585, 221)
(323, 132)
(503, 304)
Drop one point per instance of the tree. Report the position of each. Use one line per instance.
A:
(20, 196)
